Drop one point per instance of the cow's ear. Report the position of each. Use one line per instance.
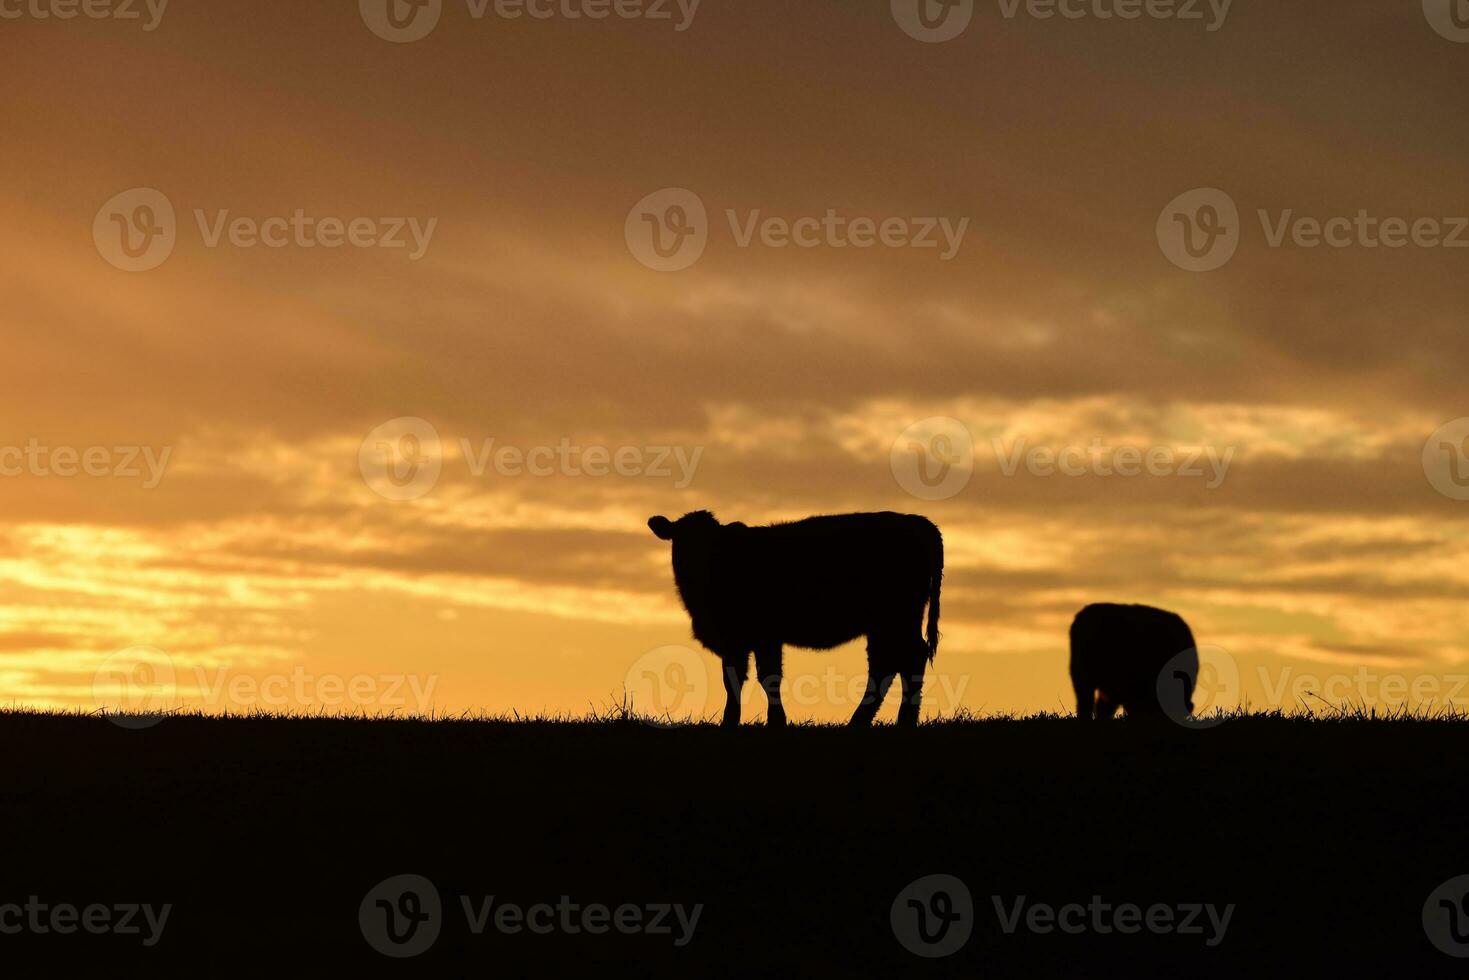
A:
(662, 527)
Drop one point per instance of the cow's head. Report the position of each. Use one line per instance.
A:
(689, 527)
(698, 540)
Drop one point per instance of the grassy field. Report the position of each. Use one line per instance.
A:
(266, 836)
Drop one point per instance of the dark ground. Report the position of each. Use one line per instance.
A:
(266, 834)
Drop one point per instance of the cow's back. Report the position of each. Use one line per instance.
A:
(827, 580)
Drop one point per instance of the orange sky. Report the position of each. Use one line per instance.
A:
(259, 554)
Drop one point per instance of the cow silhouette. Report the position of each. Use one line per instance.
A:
(815, 583)
(1133, 657)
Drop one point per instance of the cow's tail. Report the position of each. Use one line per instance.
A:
(935, 583)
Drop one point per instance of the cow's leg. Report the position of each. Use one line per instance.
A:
(877, 689)
(879, 675)
(1176, 692)
(912, 678)
(767, 666)
(1086, 699)
(736, 669)
(1106, 708)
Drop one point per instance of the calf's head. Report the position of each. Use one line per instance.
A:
(688, 529)
(695, 540)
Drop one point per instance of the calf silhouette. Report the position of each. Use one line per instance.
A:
(816, 583)
(1134, 657)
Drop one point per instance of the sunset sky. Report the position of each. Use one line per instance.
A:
(782, 377)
